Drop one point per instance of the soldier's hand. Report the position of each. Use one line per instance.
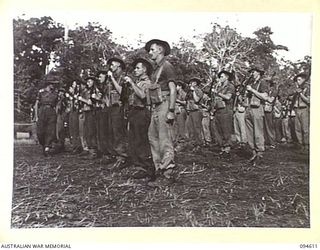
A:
(109, 73)
(170, 117)
(128, 79)
(249, 88)
(89, 102)
(299, 90)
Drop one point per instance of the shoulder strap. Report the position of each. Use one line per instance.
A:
(158, 74)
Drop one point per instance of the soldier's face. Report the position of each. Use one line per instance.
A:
(90, 83)
(139, 69)
(300, 80)
(256, 74)
(178, 87)
(102, 78)
(223, 78)
(155, 51)
(114, 66)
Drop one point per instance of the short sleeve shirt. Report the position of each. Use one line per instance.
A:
(135, 100)
(167, 74)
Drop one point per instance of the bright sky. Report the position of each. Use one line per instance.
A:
(293, 30)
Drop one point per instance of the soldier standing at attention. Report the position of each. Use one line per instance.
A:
(117, 131)
(301, 103)
(257, 93)
(46, 121)
(139, 120)
(223, 100)
(162, 97)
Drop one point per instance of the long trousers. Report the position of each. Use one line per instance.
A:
(180, 125)
(269, 129)
(224, 126)
(139, 148)
(301, 123)
(239, 125)
(160, 135)
(46, 126)
(90, 131)
(206, 127)
(195, 117)
(117, 132)
(254, 128)
(74, 129)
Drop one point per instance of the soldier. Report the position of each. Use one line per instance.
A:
(89, 109)
(62, 115)
(117, 129)
(269, 127)
(238, 118)
(103, 117)
(194, 110)
(162, 97)
(139, 120)
(223, 99)
(73, 107)
(46, 121)
(257, 93)
(181, 113)
(301, 103)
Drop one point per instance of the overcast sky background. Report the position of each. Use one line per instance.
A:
(293, 30)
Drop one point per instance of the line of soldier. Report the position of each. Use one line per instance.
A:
(140, 121)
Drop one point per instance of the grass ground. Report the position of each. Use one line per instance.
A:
(211, 191)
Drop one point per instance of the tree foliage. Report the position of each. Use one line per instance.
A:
(88, 48)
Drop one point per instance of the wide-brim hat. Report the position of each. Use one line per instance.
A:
(146, 63)
(303, 75)
(195, 79)
(162, 43)
(229, 74)
(102, 71)
(117, 59)
(90, 77)
(258, 69)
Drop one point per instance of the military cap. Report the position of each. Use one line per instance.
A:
(182, 84)
(117, 59)
(146, 63)
(162, 43)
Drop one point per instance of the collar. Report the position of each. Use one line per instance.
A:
(161, 62)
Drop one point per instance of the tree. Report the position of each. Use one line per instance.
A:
(88, 47)
(34, 40)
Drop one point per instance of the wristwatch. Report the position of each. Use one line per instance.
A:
(171, 110)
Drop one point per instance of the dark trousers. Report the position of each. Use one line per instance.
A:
(269, 129)
(104, 135)
(139, 147)
(196, 125)
(46, 126)
(74, 129)
(278, 128)
(224, 126)
(90, 129)
(118, 144)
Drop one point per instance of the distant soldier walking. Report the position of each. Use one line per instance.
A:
(47, 118)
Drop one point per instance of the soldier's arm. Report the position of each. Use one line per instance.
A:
(173, 95)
